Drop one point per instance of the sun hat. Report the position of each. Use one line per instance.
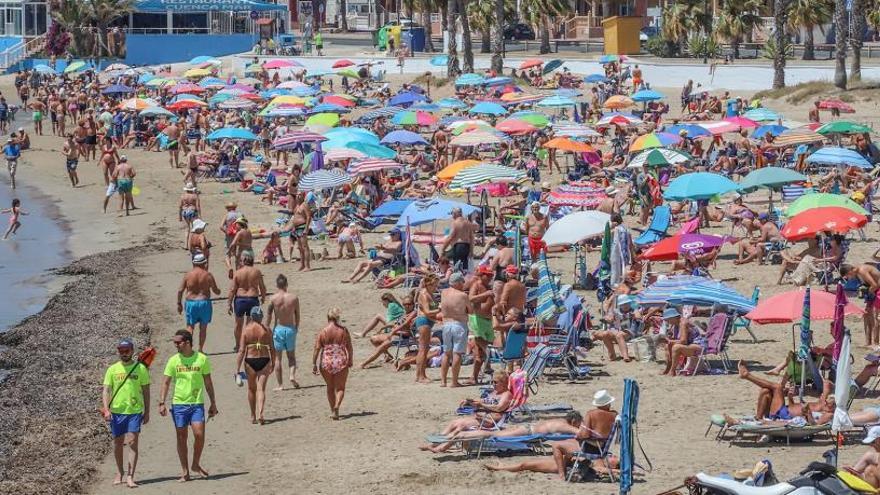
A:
(602, 398)
(670, 313)
(198, 224)
(231, 205)
(545, 185)
(624, 299)
(242, 221)
(199, 259)
(873, 434)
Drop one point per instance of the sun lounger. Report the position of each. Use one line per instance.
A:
(658, 227)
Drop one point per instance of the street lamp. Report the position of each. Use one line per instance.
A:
(706, 23)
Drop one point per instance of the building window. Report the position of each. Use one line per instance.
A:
(143, 23)
(190, 23)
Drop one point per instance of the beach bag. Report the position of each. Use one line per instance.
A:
(537, 335)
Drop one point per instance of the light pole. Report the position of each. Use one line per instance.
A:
(707, 22)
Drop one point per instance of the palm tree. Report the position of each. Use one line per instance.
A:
(859, 24)
(736, 20)
(780, 18)
(808, 14)
(481, 18)
(467, 48)
(73, 16)
(840, 43)
(679, 20)
(498, 39)
(539, 12)
(452, 68)
(103, 13)
(427, 7)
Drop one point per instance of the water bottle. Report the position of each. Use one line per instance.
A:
(240, 378)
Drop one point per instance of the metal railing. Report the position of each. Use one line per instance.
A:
(21, 51)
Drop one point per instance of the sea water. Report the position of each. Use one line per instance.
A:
(26, 258)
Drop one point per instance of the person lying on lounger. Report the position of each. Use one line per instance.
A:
(868, 466)
(569, 425)
(492, 407)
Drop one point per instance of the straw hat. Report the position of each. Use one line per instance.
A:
(231, 205)
(602, 398)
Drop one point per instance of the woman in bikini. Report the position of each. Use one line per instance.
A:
(258, 353)
(189, 208)
(333, 345)
(428, 314)
(109, 158)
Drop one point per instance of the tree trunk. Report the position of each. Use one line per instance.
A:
(343, 16)
(779, 19)
(466, 44)
(377, 7)
(545, 35)
(840, 43)
(428, 8)
(452, 69)
(498, 38)
(485, 40)
(734, 45)
(855, 40)
(809, 44)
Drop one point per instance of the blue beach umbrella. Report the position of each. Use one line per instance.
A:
(352, 134)
(403, 137)
(329, 108)
(658, 293)
(772, 129)
(710, 293)
(761, 115)
(145, 78)
(470, 80)
(117, 89)
(770, 177)
(698, 185)
(426, 107)
(212, 81)
(432, 209)
(233, 133)
(372, 150)
(556, 102)
(323, 179)
(44, 69)
(451, 103)
(646, 95)
(406, 98)
(487, 108)
(595, 78)
(201, 59)
(692, 130)
(391, 208)
(381, 112)
(839, 156)
(498, 81)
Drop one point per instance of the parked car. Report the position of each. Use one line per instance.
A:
(519, 31)
(648, 32)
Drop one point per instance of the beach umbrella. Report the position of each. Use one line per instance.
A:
(293, 138)
(235, 133)
(831, 155)
(200, 59)
(842, 127)
(837, 328)
(138, 104)
(279, 100)
(607, 59)
(512, 126)
(576, 227)
(283, 111)
(292, 85)
(439, 60)
(617, 118)
(744, 122)
(470, 79)
(404, 137)
(709, 293)
(451, 103)
(566, 144)
(475, 139)
(787, 307)
(571, 129)
(617, 102)
(692, 130)
(487, 108)
(659, 157)
(498, 81)
(536, 119)
(426, 107)
(698, 185)
(348, 73)
(117, 89)
(719, 127)
(373, 165)
(836, 104)
(75, 66)
(313, 73)
(842, 382)
(671, 248)
(323, 179)
(340, 100)
(531, 62)
(770, 177)
(470, 126)
(352, 134)
(822, 200)
(187, 88)
(323, 119)
(556, 102)
(339, 154)
(236, 104)
(406, 98)
(414, 118)
(605, 259)
(658, 293)
(771, 129)
(628, 432)
(794, 137)
(430, 210)
(186, 105)
(548, 304)
(212, 82)
(115, 67)
(834, 219)
(762, 115)
(197, 72)
(158, 82)
(44, 69)
(343, 62)
(451, 170)
(253, 69)
(488, 172)
(380, 112)
(372, 150)
(551, 66)
(280, 64)
(391, 208)
(156, 112)
(646, 95)
(329, 108)
(654, 140)
(595, 78)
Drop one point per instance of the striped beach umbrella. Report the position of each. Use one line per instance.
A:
(556, 102)
(654, 140)
(821, 200)
(380, 112)
(451, 170)
(659, 157)
(658, 293)
(573, 130)
(481, 174)
(832, 155)
(710, 293)
(373, 165)
(720, 127)
(548, 305)
(324, 179)
(794, 137)
(842, 127)
(339, 154)
(237, 104)
(328, 108)
(620, 119)
(293, 138)
(138, 104)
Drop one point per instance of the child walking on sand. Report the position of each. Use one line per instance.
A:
(15, 211)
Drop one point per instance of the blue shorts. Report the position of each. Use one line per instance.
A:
(198, 311)
(186, 414)
(120, 424)
(423, 321)
(284, 338)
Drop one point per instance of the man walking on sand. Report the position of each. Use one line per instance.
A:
(12, 151)
(285, 307)
(299, 232)
(455, 306)
(172, 132)
(198, 284)
(191, 372)
(246, 291)
(124, 175)
(125, 393)
(70, 150)
(461, 239)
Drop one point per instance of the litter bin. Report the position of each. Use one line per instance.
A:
(416, 39)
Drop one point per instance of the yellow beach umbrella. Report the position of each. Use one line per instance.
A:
(197, 73)
(287, 100)
(451, 170)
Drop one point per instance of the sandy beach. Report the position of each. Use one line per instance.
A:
(125, 283)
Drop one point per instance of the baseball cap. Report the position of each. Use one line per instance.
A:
(873, 434)
(484, 270)
(125, 343)
(256, 313)
(512, 270)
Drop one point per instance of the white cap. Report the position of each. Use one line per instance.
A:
(198, 224)
(199, 259)
(873, 434)
(602, 398)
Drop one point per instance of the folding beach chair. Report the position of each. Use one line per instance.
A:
(742, 322)
(586, 453)
(716, 342)
(658, 227)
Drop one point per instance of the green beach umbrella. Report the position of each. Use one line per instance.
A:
(842, 127)
(536, 119)
(659, 157)
(551, 66)
(348, 73)
(325, 119)
(605, 254)
(75, 66)
(819, 200)
(771, 178)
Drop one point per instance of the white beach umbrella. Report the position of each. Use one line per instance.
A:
(576, 227)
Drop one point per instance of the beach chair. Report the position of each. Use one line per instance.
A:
(792, 192)
(742, 322)
(604, 454)
(657, 229)
(717, 334)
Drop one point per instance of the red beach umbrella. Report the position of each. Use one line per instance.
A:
(835, 219)
(788, 307)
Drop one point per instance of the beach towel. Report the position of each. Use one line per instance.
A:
(620, 254)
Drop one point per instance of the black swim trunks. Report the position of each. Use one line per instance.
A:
(461, 254)
(242, 305)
